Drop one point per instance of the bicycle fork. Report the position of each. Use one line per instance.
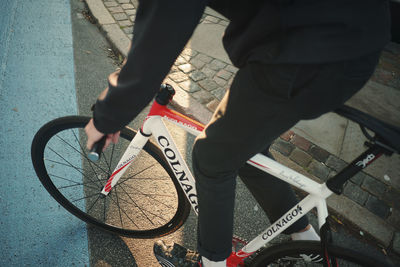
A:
(135, 146)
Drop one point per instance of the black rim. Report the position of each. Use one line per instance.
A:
(143, 203)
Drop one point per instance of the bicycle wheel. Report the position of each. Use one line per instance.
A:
(302, 253)
(146, 202)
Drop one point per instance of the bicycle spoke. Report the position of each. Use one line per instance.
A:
(139, 208)
(128, 178)
(119, 212)
(85, 156)
(75, 183)
(134, 202)
(61, 163)
(87, 197)
(148, 178)
(69, 163)
(104, 209)
(126, 215)
(150, 196)
(99, 195)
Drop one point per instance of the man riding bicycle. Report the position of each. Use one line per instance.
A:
(297, 60)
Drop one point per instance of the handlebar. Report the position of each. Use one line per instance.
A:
(95, 153)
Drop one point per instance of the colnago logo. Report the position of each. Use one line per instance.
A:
(282, 222)
(363, 163)
(179, 171)
(181, 123)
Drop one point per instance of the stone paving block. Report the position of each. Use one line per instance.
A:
(124, 1)
(212, 19)
(301, 142)
(319, 170)
(186, 68)
(197, 63)
(396, 242)
(386, 77)
(128, 30)
(208, 84)
(332, 174)
(219, 81)
(189, 52)
(180, 61)
(300, 157)
(226, 75)
(204, 58)
(132, 18)
(374, 186)
(110, 3)
(355, 193)
(392, 197)
(358, 178)
(178, 76)
(230, 82)
(213, 105)
(394, 218)
(231, 68)
(208, 72)
(318, 153)
(189, 86)
(125, 23)
(187, 57)
(377, 207)
(335, 163)
(197, 75)
(173, 69)
(130, 12)
(283, 147)
(203, 96)
(287, 135)
(223, 23)
(127, 6)
(218, 93)
(116, 9)
(216, 65)
(120, 16)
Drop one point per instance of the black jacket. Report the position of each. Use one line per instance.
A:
(275, 31)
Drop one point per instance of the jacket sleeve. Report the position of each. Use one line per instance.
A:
(162, 29)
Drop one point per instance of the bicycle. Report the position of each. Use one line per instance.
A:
(151, 190)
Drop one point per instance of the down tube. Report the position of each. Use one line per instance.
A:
(294, 214)
(175, 161)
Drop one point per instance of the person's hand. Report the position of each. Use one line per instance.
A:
(94, 135)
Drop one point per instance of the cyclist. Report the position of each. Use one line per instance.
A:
(297, 60)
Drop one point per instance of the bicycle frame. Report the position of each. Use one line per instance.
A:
(154, 125)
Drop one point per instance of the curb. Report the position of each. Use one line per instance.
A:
(342, 206)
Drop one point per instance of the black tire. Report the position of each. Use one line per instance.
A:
(288, 254)
(146, 202)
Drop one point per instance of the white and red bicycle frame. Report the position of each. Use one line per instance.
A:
(154, 126)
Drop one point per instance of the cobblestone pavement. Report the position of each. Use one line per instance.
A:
(205, 79)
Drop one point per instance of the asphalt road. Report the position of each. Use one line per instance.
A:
(53, 237)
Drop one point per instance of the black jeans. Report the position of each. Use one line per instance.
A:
(263, 102)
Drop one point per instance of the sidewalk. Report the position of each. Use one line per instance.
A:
(319, 148)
